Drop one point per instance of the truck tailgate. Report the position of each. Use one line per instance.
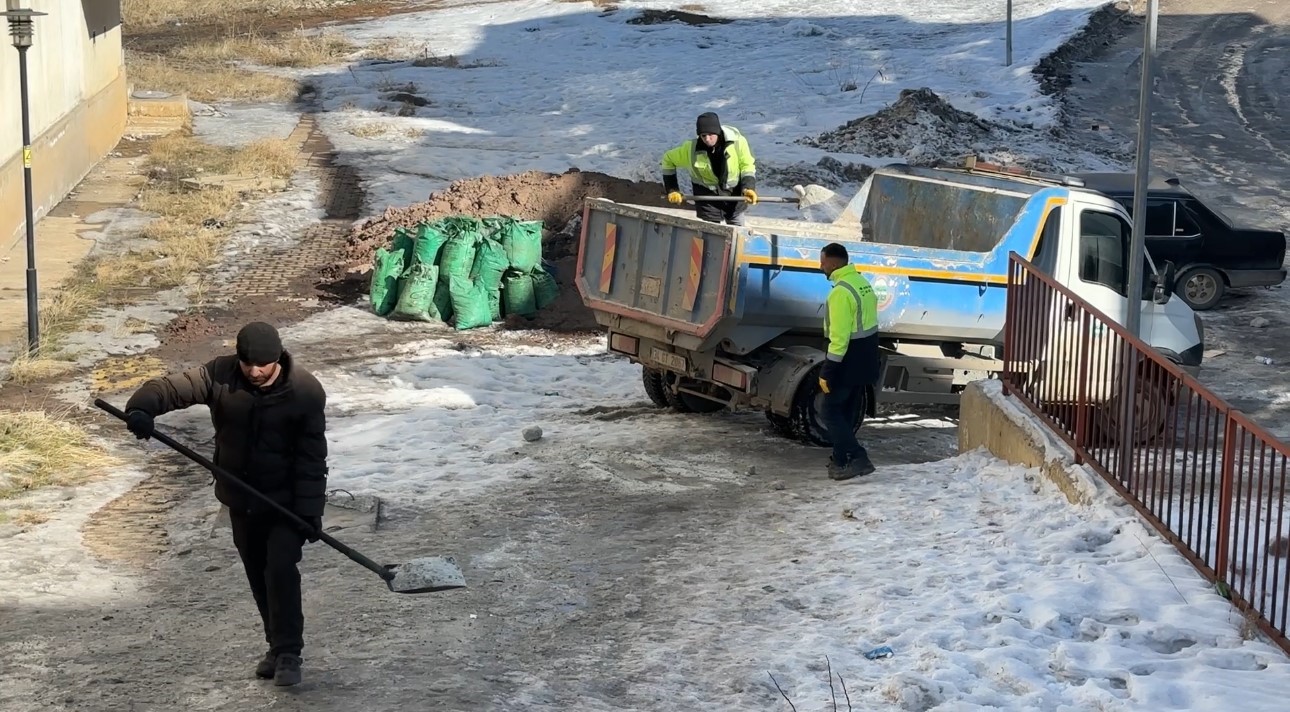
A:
(651, 266)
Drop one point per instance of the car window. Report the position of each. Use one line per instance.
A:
(1104, 252)
(1184, 224)
(1160, 218)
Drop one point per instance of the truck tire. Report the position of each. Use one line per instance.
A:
(654, 386)
(1200, 287)
(808, 403)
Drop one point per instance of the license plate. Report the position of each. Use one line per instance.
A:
(675, 362)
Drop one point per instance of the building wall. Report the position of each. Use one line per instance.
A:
(77, 95)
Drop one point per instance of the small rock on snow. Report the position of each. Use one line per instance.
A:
(532, 433)
(1258, 322)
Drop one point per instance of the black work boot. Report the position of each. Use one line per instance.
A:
(857, 467)
(288, 670)
(264, 669)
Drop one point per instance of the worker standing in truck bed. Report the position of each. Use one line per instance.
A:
(720, 163)
(851, 361)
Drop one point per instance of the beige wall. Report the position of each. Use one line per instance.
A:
(77, 95)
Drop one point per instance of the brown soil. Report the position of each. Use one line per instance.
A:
(554, 199)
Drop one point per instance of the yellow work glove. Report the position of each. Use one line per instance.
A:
(751, 195)
(824, 385)
(675, 198)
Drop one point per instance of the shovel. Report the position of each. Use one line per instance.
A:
(425, 575)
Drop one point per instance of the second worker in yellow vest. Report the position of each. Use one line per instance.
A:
(852, 360)
(719, 163)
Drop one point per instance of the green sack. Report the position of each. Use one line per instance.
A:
(429, 242)
(521, 239)
(387, 265)
(416, 294)
(458, 258)
(443, 299)
(403, 240)
(490, 265)
(545, 289)
(470, 307)
(517, 294)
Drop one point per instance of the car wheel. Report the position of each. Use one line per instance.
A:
(1200, 287)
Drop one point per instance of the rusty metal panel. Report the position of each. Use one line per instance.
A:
(655, 267)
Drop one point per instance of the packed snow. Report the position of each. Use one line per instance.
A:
(609, 95)
(990, 589)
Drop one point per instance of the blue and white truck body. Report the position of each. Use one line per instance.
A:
(721, 315)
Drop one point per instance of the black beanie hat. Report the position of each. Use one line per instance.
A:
(258, 343)
(708, 123)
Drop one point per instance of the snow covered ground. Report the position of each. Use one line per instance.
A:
(539, 84)
(633, 558)
(638, 559)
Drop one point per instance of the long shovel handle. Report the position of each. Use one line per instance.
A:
(228, 477)
(738, 199)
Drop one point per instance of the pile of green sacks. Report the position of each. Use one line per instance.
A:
(464, 271)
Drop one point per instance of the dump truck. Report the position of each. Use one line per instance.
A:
(722, 316)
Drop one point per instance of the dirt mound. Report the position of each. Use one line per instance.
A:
(555, 199)
(1105, 26)
(658, 17)
(920, 127)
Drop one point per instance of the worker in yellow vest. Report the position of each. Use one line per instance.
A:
(720, 163)
(852, 360)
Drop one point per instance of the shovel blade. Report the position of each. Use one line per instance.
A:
(426, 575)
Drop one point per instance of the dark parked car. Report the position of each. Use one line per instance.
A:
(1210, 253)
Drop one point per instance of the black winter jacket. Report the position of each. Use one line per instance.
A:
(273, 439)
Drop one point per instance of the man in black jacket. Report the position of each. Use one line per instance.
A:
(270, 432)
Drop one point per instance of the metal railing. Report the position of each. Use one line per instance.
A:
(1208, 478)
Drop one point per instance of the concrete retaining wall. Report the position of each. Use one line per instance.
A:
(990, 420)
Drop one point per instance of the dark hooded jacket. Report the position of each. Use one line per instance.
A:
(273, 439)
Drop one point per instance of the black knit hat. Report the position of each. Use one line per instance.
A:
(258, 343)
(708, 123)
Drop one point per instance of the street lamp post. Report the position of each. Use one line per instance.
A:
(22, 29)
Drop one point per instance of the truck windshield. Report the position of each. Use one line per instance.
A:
(1104, 244)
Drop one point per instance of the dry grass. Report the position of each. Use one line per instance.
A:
(294, 50)
(151, 13)
(39, 450)
(206, 82)
(61, 311)
(188, 234)
(24, 519)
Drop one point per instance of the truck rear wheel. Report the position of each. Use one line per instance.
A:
(655, 388)
(808, 409)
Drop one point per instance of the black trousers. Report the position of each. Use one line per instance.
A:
(270, 548)
(841, 410)
(731, 212)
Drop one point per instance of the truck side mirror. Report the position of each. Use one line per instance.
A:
(1164, 287)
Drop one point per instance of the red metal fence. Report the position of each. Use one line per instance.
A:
(1201, 472)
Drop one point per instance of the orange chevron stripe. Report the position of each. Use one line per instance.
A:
(607, 266)
(696, 268)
